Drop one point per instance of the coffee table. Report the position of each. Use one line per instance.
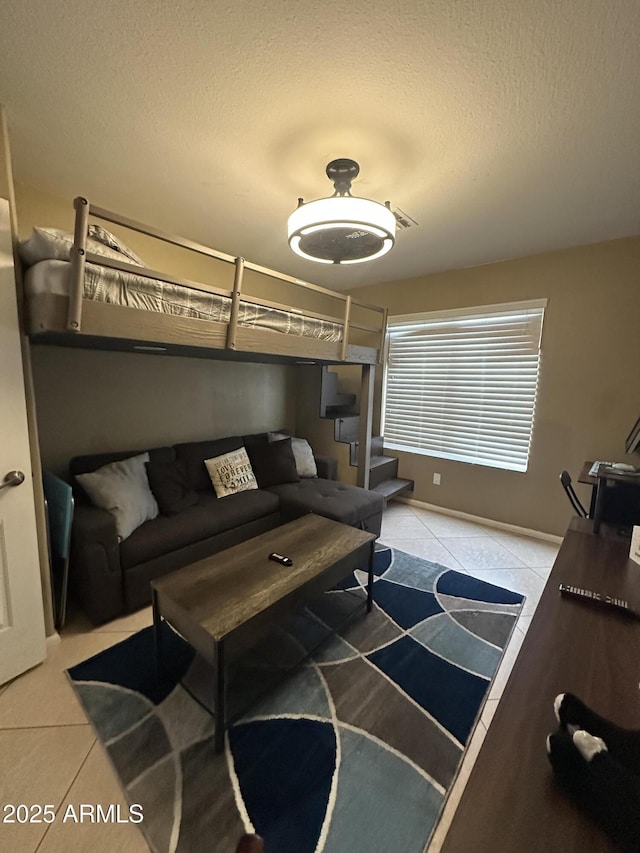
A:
(223, 604)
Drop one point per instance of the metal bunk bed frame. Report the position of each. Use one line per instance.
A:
(232, 338)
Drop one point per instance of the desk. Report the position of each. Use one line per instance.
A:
(589, 480)
(512, 801)
(600, 483)
(605, 476)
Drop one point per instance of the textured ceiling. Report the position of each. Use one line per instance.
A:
(502, 128)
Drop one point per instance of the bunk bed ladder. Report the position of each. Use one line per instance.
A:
(353, 425)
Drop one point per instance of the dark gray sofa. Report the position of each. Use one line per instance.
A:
(109, 578)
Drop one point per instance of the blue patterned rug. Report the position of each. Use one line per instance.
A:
(355, 750)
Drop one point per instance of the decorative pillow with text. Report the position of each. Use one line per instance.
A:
(231, 473)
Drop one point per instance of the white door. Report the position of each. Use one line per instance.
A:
(22, 641)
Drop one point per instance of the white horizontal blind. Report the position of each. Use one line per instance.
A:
(462, 384)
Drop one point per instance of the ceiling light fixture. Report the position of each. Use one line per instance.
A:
(342, 229)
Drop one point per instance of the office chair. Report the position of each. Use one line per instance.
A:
(565, 479)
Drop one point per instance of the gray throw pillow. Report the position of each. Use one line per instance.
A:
(302, 452)
(122, 488)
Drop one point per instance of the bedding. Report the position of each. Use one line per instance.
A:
(104, 284)
(51, 243)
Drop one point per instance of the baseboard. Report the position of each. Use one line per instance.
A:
(489, 522)
(53, 640)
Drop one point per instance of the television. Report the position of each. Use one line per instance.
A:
(632, 443)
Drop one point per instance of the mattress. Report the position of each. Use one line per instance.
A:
(103, 284)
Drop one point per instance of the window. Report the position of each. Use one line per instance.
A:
(462, 384)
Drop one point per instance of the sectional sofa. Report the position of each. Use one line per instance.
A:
(110, 575)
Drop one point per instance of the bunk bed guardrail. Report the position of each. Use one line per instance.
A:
(80, 256)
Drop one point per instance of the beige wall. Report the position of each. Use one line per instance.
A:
(88, 401)
(589, 391)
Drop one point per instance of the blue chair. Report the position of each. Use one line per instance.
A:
(59, 503)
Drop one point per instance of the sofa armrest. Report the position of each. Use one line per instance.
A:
(95, 576)
(92, 525)
(327, 467)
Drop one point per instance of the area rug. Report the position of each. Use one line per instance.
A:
(355, 749)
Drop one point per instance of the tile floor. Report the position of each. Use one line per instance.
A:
(49, 753)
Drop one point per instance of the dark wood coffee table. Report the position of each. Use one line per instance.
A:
(223, 604)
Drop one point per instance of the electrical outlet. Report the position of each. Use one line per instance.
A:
(436, 479)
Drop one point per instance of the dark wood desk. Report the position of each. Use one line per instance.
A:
(589, 480)
(512, 801)
(585, 476)
(604, 478)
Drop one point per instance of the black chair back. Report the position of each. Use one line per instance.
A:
(565, 479)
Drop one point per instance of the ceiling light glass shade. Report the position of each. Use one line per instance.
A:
(342, 229)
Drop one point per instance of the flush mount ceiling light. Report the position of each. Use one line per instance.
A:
(342, 229)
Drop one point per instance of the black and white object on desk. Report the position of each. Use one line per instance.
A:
(600, 600)
(279, 558)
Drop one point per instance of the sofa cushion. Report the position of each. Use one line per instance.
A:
(231, 473)
(207, 518)
(348, 504)
(193, 454)
(273, 463)
(170, 488)
(122, 488)
(303, 454)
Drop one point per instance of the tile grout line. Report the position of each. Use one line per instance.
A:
(66, 793)
(441, 543)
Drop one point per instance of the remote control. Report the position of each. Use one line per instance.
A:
(597, 598)
(278, 558)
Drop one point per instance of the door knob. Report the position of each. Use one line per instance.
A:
(13, 478)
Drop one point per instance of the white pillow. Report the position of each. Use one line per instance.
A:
(231, 473)
(51, 243)
(122, 488)
(97, 232)
(302, 453)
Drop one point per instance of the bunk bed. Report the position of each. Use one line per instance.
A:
(110, 301)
